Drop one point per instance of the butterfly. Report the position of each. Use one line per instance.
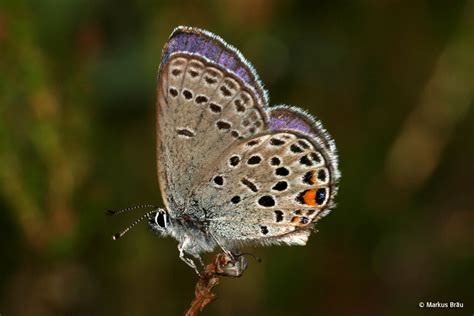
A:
(232, 170)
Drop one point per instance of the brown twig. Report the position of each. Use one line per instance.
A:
(224, 264)
(203, 290)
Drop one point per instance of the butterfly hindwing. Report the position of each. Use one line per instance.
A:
(268, 188)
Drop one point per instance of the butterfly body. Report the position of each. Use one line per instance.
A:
(232, 170)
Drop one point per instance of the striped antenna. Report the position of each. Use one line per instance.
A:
(145, 216)
(114, 212)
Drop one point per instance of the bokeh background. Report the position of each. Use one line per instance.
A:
(391, 80)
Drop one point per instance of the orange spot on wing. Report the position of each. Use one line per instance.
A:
(310, 197)
(300, 220)
(313, 178)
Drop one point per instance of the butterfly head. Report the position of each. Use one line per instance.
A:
(159, 221)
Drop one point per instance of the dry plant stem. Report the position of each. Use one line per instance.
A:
(203, 290)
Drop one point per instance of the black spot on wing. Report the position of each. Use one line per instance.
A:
(239, 106)
(320, 196)
(225, 91)
(215, 108)
(234, 161)
(322, 175)
(173, 92)
(275, 161)
(279, 216)
(185, 132)
(254, 160)
(276, 142)
(282, 171)
(218, 180)
(176, 72)
(303, 144)
(253, 142)
(306, 161)
(223, 125)
(249, 184)
(235, 199)
(296, 149)
(280, 186)
(266, 201)
(187, 94)
(201, 99)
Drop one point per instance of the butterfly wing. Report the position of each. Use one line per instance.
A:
(269, 188)
(209, 99)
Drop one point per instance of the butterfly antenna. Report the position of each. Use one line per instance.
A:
(123, 232)
(114, 212)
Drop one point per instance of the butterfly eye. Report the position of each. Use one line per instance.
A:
(160, 219)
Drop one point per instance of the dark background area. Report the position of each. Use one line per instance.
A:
(391, 80)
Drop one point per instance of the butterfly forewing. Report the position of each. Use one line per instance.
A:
(203, 109)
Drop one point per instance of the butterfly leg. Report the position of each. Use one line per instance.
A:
(226, 251)
(190, 259)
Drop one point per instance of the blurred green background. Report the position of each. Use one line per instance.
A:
(391, 80)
